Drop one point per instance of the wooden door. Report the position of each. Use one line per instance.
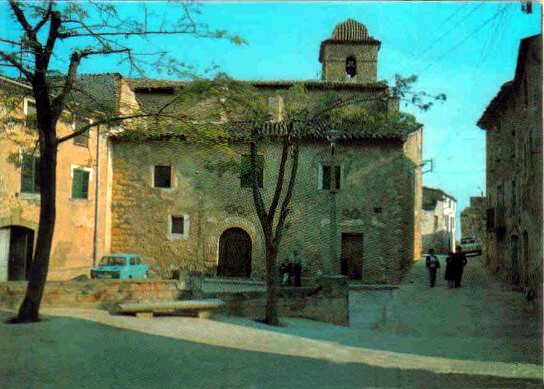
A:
(20, 253)
(234, 253)
(4, 253)
(352, 256)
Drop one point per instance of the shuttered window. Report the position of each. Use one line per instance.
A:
(80, 184)
(245, 173)
(163, 176)
(326, 177)
(31, 117)
(30, 182)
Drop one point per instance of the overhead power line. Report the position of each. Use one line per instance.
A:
(471, 34)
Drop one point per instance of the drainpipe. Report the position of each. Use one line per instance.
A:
(96, 197)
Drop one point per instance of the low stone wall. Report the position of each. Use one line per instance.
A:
(328, 301)
(94, 293)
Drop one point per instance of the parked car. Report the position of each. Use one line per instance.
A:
(120, 266)
(470, 245)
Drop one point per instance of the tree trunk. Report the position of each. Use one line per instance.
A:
(271, 285)
(29, 310)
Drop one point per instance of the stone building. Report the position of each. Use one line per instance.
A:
(83, 172)
(169, 207)
(513, 125)
(473, 219)
(438, 221)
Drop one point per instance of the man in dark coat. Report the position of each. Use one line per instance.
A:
(432, 264)
(459, 260)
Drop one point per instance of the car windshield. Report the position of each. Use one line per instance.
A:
(112, 261)
(468, 240)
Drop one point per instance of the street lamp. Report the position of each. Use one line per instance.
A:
(332, 136)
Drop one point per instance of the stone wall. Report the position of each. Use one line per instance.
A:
(377, 199)
(334, 61)
(328, 301)
(513, 124)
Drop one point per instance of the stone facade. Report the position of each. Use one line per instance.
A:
(383, 213)
(473, 221)
(438, 224)
(513, 124)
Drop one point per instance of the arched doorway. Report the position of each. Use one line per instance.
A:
(16, 247)
(234, 253)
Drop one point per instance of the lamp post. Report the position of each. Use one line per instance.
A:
(332, 136)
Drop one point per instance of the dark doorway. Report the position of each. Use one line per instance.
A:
(234, 253)
(352, 256)
(21, 242)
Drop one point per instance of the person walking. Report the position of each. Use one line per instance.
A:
(432, 264)
(450, 273)
(459, 261)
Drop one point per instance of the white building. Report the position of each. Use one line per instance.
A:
(438, 221)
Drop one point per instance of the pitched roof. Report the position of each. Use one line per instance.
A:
(510, 88)
(431, 196)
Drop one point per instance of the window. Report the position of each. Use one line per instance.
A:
(351, 66)
(447, 222)
(163, 176)
(80, 183)
(81, 139)
(30, 112)
(30, 167)
(178, 225)
(328, 181)
(245, 173)
(136, 261)
(435, 226)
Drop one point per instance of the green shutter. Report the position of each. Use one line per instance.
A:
(27, 175)
(85, 184)
(337, 177)
(77, 184)
(326, 177)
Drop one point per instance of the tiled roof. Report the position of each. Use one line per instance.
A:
(431, 196)
(350, 30)
(509, 88)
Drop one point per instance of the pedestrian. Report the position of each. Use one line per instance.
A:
(450, 273)
(286, 268)
(433, 264)
(297, 268)
(459, 261)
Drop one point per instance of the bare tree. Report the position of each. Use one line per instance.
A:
(92, 29)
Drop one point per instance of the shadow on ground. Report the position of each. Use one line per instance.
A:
(65, 352)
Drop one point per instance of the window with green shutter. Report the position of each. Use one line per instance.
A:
(327, 177)
(30, 180)
(80, 184)
(245, 173)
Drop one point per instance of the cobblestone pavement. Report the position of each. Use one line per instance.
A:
(479, 336)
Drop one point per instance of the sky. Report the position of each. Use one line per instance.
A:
(466, 50)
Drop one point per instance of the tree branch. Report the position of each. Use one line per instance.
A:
(17, 64)
(22, 19)
(52, 38)
(284, 206)
(45, 17)
(257, 197)
(279, 181)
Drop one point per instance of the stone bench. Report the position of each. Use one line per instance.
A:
(205, 307)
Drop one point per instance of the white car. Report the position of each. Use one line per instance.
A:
(470, 245)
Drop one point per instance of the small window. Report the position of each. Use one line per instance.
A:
(163, 176)
(30, 180)
(80, 184)
(327, 177)
(351, 66)
(435, 223)
(245, 173)
(490, 219)
(81, 139)
(178, 225)
(135, 261)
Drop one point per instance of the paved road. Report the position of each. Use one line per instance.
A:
(480, 336)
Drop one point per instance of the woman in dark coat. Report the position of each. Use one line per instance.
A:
(450, 272)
